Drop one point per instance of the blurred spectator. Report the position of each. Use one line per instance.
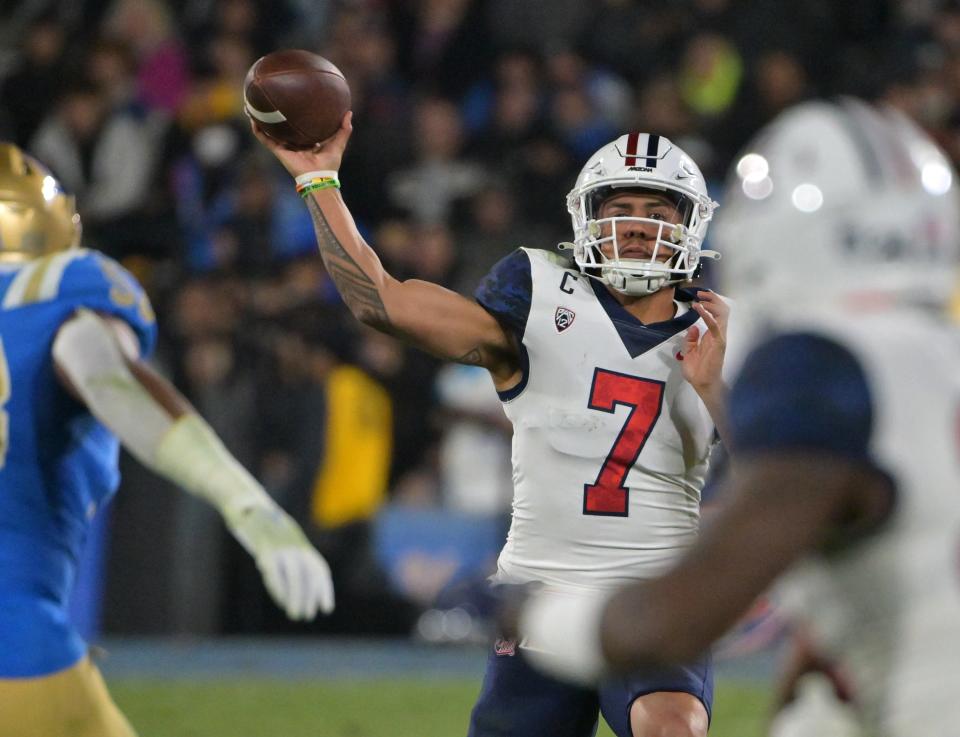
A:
(945, 27)
(105, 157)
(310, 22)
(545, 171)
(475, 450)
(543, 26)
(246, 19)
(780, 83)
(817, 30)
(36, 79)
(608, 94)
(351, 482)
(112, 67)
(216, 95)
(637, 39)
(937, 94)
(361, 44)
(202, 309)
(254, 222)
(395, 239)
(148, 26)
(442, 44)
(438, 177)
(223, 387)
(503, 109)
(494, 225)
(660, 107)
(578, 121)
(434, 256)
(710, 75)
(408, 376)
(777, 81)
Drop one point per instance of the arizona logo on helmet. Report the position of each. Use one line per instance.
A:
(563, 318)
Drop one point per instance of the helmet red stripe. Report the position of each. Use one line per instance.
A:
(630, 158)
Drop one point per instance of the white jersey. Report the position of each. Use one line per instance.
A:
(888, 607)
(610, 445)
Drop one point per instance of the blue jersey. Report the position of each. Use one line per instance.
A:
(58, 464)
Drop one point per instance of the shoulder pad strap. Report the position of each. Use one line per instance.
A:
(39, 280)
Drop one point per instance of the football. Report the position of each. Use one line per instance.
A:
(297, 97)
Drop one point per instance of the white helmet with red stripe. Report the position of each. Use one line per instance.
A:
(840, 202)
(642, 162)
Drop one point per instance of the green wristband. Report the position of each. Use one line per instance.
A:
(326, 184)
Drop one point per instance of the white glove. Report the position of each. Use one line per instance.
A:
(297, 577)
(295, 574)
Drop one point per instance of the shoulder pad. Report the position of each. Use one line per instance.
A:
(42, 279)
(558, 259)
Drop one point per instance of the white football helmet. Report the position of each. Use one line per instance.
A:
(840, 203)
(643, 162)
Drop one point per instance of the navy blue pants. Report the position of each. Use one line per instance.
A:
(518, 701)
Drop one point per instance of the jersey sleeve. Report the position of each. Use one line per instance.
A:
(506, 291)
(99, 283)
(802, 391)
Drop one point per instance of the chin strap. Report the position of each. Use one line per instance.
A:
(707, 253)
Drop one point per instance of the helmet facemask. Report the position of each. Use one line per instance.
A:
(674, 257)
(675, 248)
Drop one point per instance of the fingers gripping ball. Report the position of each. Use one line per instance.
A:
(297, 98)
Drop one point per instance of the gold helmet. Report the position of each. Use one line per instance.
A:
(36, 216)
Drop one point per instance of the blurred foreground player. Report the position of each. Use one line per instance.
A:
(74, 327)
(841, 238)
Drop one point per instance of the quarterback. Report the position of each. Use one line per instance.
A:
(610, 371)
(841, 228)
(75, 328)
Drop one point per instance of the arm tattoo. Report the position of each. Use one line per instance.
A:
(357, 289)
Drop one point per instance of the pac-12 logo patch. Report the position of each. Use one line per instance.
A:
(563, 318)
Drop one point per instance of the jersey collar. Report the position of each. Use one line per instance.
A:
(637, 337)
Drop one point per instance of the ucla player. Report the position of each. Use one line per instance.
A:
(610, 371)
(841, 234)
(74, 329)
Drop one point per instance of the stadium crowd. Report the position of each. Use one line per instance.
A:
(471, 120)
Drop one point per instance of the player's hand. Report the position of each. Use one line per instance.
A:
(703, 354)
(324, 156)
(296, 575)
